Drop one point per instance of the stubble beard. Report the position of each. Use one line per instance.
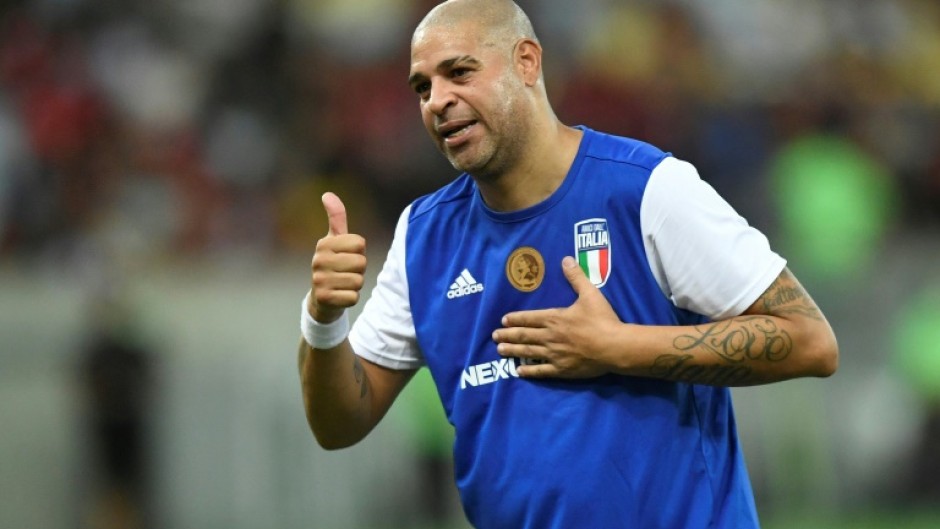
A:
(482, 164)
(499, 148)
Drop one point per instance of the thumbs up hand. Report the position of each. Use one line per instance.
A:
(338, 266)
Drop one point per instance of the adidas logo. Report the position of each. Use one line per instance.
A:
(464, 285)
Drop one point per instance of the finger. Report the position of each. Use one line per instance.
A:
(527, 351)
(336, 212)
(330, 298)
(528, 318)
(337, 281)
(349, 243)
(575, 275)
(545, 370)
(334, 261)
(520, 335)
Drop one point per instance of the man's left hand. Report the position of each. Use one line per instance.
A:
(571, 342)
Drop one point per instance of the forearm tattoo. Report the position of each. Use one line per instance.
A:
(739, 339)
(740, 343)
(681, 369)
(360, 375)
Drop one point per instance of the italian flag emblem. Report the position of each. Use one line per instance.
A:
(592, 246)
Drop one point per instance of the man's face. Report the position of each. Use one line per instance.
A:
(468, 96)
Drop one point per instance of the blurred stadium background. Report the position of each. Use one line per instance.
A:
(160, 171)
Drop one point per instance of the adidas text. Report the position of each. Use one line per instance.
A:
(464, 285)
(463, 291)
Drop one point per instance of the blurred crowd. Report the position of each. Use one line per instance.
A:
(133, 130)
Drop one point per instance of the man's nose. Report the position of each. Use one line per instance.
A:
(440, 98)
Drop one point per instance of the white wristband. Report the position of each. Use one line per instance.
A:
(322, 335)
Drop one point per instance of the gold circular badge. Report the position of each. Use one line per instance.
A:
(525, 268)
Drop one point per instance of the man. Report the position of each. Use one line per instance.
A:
(594, 393)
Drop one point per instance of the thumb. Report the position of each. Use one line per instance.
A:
(575, 275)
(336, 212)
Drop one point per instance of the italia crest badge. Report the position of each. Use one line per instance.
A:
(592, 247)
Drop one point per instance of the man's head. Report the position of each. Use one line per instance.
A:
(476, 66)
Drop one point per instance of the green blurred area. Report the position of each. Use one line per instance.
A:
(835, 204)
(874, 520)
(917, 342)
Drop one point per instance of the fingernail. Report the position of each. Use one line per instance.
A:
(568, 262)
(495, 336)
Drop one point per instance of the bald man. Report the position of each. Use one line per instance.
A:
(591, 390)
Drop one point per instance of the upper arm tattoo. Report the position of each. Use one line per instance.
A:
(360, 375)
(786, 297)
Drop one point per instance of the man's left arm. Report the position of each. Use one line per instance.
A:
(782, 335)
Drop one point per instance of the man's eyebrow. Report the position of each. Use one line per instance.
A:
(445, 64)
(414, 78)
(449, 63)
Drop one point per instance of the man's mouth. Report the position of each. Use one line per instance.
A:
(452, 132)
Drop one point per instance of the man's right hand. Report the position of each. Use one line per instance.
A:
(344, 395)
(338, 266)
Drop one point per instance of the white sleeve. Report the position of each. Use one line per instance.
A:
(384, 332)
(705, 257)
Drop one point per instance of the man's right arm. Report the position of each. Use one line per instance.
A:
(344, 395)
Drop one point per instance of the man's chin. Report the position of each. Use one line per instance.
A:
(478, 166)
(464, 166)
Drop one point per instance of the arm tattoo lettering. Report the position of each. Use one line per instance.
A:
(681, 369)
(739, 339)
(788, 299)
(360, 375)
(741, 344)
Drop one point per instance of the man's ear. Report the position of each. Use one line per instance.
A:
(528, 57)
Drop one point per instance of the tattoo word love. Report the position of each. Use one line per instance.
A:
(740, 339)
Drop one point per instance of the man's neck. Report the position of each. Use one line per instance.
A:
(538, 175)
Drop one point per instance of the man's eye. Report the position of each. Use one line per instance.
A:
(459, 72)
(422, 88)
